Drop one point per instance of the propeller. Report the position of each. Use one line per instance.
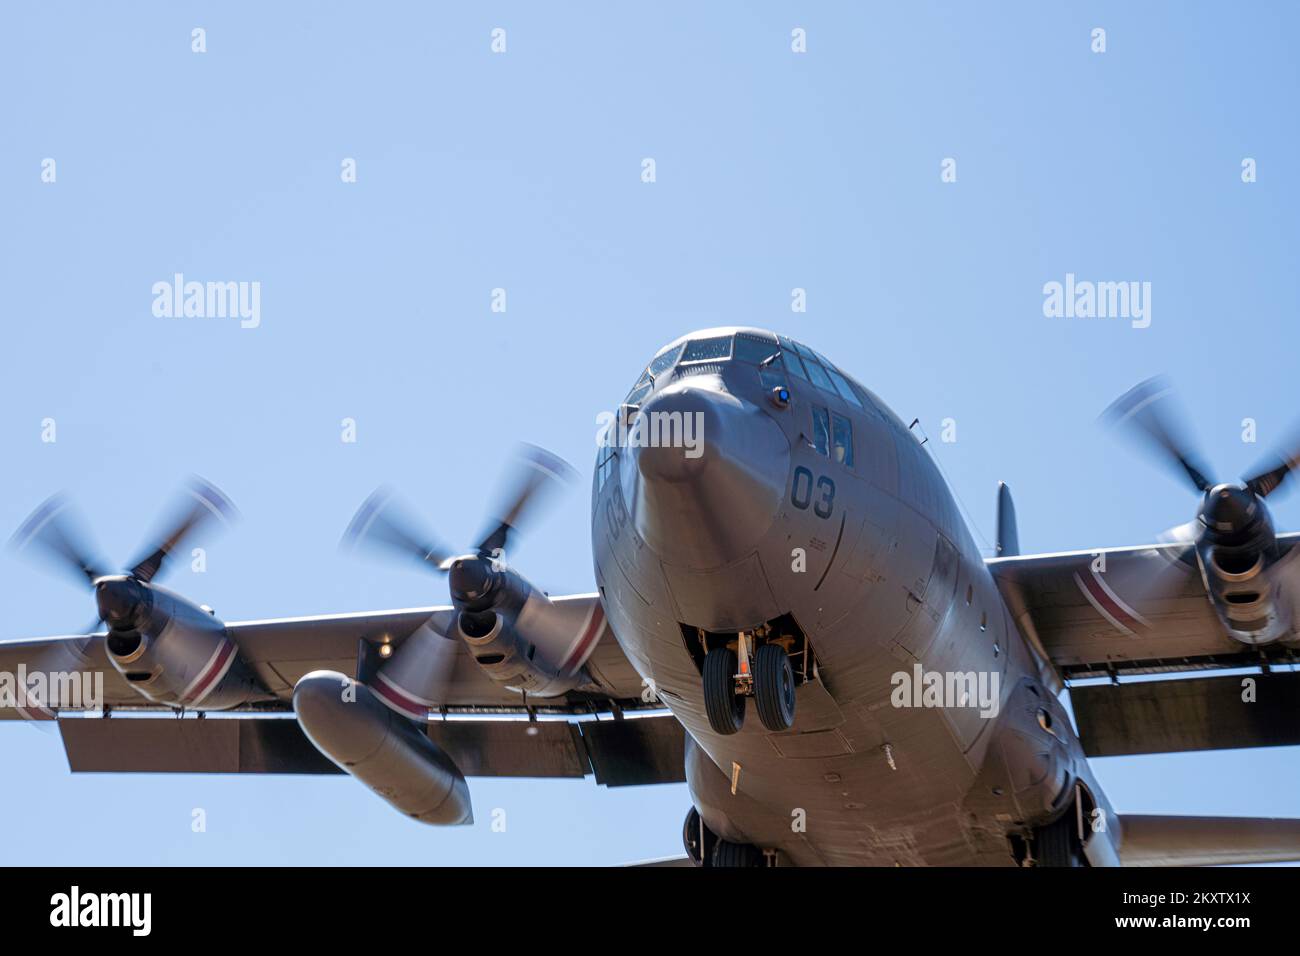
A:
(1149, 411)
(480, 583)
(56, 532)
(1232, 517)
(1266, 482)
(384, 523)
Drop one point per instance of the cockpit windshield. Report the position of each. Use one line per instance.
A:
(713, 349)
(775, 355)
(755, 349)
(665, 361)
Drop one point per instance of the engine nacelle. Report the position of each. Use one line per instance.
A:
(514, 633)
(179, 655)
(392, 756)
(1244, 591)
(541, 651)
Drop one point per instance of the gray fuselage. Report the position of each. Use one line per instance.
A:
(823, 517)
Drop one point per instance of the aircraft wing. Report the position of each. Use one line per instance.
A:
(1124, 612)
(1115, 611)
(281, 650)
(646, 748)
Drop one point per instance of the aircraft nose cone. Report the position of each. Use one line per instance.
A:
(673, 426)
(708, 471)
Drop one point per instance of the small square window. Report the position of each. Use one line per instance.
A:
(821, 430)
(841, 440)
(604, 468)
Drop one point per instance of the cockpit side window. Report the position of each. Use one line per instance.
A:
(842, 386)
(792, 360)
(841, 440)
(818, 375)
(804, 351)
(606, 456)
(820, 371)
(640, 390)
(821, 430)
(712, 349)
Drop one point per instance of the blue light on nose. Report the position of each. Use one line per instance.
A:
(781, 396)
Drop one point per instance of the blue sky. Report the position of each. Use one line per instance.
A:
(522, 171)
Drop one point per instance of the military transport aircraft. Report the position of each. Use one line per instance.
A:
(779, 566)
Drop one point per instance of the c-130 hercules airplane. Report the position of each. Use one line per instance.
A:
(775, 585)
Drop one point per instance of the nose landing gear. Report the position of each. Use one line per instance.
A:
(774, 687)
(763, 673)
(724, 702)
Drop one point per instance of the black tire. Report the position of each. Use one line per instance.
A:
(726, 708)
(1057, 845)
(774, 687)
(693, 837)
(737, 855)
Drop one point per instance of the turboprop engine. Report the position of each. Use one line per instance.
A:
(171, 651)
(515, 633)
(1232, 539)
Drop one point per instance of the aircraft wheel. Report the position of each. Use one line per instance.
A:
(698, 839)
(1057, 845)
(774, 687)
(726, 708)
(737, 855)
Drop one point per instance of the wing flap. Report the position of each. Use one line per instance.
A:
(1201, 713)
(633, 751)
(169, 745)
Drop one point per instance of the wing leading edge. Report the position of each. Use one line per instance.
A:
(280, 651)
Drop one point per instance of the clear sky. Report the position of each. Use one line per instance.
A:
(522, 170)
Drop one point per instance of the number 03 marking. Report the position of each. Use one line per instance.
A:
(818, 492)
